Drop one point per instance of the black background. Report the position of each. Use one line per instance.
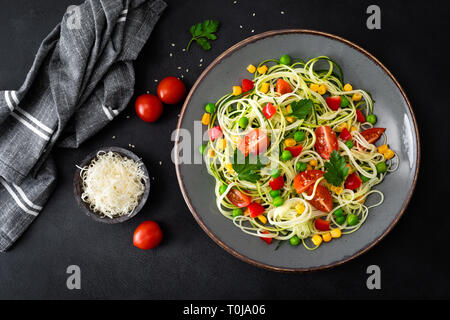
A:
(188, 265)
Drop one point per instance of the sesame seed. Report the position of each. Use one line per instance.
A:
(253, 30)
(179, 68)
(184, 49)
(156, 80)
(253, 14)
(170, 54)
(282, 12)
(201, 60)
(200, 65)
(173, 44)
(234, 2)
(187, 70)
(240, 26)
(160, 163)
(113, 137)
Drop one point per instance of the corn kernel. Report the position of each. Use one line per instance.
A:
(264, 87)
(389, 154)
(316, 239)
(383, 148)
(235, 139)
(309, 167)
(222, 144)
(289, 108)
(262, 69)
(342, 126)
(322, 89)
(289, 142)
(211, 153)
(357, 97)
(237, 90)
(348, 87)
(230, 169)
(353, 128)
(290, 119)
(361, 199)
(337, 190)
(350, 168)
(300, 208)
(314, 87)
(326, 237)
(262, 218)
(251, 68)
(313, 162)
(206, 118)
(336, 233)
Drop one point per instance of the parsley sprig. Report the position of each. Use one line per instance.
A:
(302, 108)
(336, 169)
(247, 171)
(202, 32)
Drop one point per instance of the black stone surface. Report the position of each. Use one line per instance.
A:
(188, 265)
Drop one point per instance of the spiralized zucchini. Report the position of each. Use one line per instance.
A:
(284, 222)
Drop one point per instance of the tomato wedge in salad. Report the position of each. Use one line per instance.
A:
(326, 141)
(305, 179)
(238, 198)
(295, 150)
(322, 199)
(373, 134)
(255, 142)
(282, 86)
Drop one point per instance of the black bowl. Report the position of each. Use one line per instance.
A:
(77, 186)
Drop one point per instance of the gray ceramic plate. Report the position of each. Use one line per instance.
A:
(394, 113)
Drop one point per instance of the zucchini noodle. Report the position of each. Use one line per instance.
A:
(296, 215)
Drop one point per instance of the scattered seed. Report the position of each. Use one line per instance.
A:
(282, 12)
(179, 68)
(128, 117)
(173, 44)
(184, 49)
(170, 54)
(160, 163)
(187, 70)
(253, 14)
(113, 137)
(156, 80)
(201, 60)
(240, 26)
(253, 30)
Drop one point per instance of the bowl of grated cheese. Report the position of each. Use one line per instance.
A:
(111, 185)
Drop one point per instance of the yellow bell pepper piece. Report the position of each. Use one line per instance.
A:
(289, 142)
(322, 89)
(342, 126)
(206, 118)
(337, 190)
(237, 90)
(389, 154)
(313, 162)
(314, 87)
(383, 148)
(290, 119)
(262, 218)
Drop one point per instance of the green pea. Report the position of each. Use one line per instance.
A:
(236, 212)
(340, 220)
(364, 178)
(286, 155)
(210, 108)
(381, 167)
(274, 193)
(275, 173)
(278, 201)
(344, 101)
(299, 136)
(339, 213)
(285, 59)
(371, 118)
(301, 166)
(202, 149)
(243, 122)
(222, 189)
(352, 219)
(294, 241)
(349, 144)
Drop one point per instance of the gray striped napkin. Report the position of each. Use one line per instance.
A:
(81, 78)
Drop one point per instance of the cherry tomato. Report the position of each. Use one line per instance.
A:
(215, 133)
(247, 85)
(171, 90)
(269, 110)
(266, 239)
(345, 135)
(359, 116)
(255, 209)
(322, 199)
(147, 235)
(322, 225)
(295, 150)
(353, 181)
(282, 86)
(277, 183)
(238, 198)
(148, 107)
(255, 142)
(326, 141)
(334, 102)
(305, 179)
(373, 134)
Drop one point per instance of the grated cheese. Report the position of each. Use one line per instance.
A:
(112, 184)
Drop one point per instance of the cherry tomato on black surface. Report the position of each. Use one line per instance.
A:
(147, 235)
(171, 90)
(148, 107)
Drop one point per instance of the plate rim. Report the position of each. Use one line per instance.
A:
(216, 61)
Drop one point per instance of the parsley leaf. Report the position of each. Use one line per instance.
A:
(202, 32)
(336, 169)
(301, 109)
(247, 171)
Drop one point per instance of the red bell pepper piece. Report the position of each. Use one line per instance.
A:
(277, 183)
(359, 116)
(265, 239)
(334, 102)
(247, 85)
(215, 133)
(345, 135)
(295, 150)
(322, 225)
(353, 181)
(255, 209)
(269, 110)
